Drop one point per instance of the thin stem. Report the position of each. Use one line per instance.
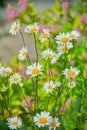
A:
(24, 97)
(22, 38)
(36, 48)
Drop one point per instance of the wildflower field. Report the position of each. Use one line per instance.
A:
(48, 92)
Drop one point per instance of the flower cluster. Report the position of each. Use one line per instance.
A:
(64, 43)
(44, 119)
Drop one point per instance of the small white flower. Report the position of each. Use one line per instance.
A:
(34, 69)
(64, 48)
(42, 119)
(72, 72)
(44, 35)
(4, 89)
(54, 123)
(58, 84)
(74, 35)
(15, 79)
(23, 53)
(32, 28)
(55, 58)
(63, 38)
(48, 54)
(49, 86)
(14, 123)
(14, 29)
(5, 71)
(71, 84)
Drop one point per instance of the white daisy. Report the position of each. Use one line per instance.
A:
(15, 79)
(32, 28)
(54, 123)
(14, 29)
(1, 70)
(74, 35)
(58, 84)
(44, 35)
(48, 54)
(5, 71)
(55, 58)
(72, 72)
(34, 69)
(64, 48)
(49, 86)
(14, 123)
(71, 84)
(4, 89)
(63, 38)
(23, 53)
(42, 119)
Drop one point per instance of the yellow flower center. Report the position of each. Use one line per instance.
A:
(71, 84)
(16, 79)
(54, 124)
(72, 35)
(45, 35)
(24, 54)
(43, 120)
(15, 123)
(35, 71)
(64, 48)
(16, 28)
(64, 39)
(33, 30)
(48, 55)
(49, 87)
(71, 73)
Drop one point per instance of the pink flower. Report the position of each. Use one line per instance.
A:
(72, 62)
(65, 5)
(85, 65)
(62, 109)
(52, 29)
(77, 28)
(28, 103)
(68, 102)
(23, 4)
(85, 74)
(23, 72)
(12, 12)
(84, 18)
(84, 55)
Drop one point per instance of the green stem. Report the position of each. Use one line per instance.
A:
(22, 38)
(36, 48)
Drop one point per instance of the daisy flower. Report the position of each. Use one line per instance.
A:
(71, 84)
(14, 29)
(48, 54)
(58, 84)
(4, 89)
(55, 58)
(49, 86)
(5, 71)
(23, 53)
(44, 35)
(74, 35)
(15, 79)
(42, 119)
(63, 38)
(54, 123)
(64, 48)
(14, 123)
(34, 69)
(32, 28)
(72, 72)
